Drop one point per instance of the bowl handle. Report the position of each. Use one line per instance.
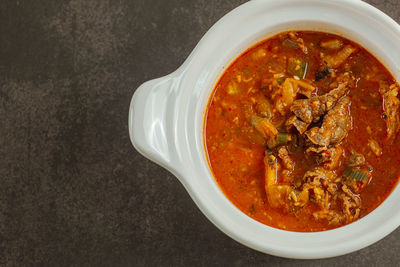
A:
(152, 124)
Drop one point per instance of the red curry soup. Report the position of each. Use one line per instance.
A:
(302, 132)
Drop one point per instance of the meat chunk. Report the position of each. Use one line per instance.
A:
(321, 174)
(329, 157)
(316, 150)
(331, 216)
(286, 97)
(322, 178)
(303, 87)
(300, 126)
(286, 94)
(309, 110)
(355, 159)
(391, 106)
(324, 188)
(334, 127)
(351, 204)
(276, 194)
(319, 183)
(288, 163)
(299, 198)
(289, 122)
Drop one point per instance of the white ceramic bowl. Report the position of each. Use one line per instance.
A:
(166, 117)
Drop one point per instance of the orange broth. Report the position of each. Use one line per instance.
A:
(236, 150)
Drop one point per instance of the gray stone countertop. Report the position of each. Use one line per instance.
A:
(73, 191)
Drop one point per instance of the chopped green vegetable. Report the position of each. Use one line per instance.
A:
(296, 67)
(290, 43)
(355, 174)
(303, 67)
(282, 139)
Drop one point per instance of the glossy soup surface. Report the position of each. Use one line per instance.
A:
(345, 161)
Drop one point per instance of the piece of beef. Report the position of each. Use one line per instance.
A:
(355, 159)
(276, 193)
(391, 107)
(333, 217)
(283, 154)
(300, 126)
(309, 110)
(286, 94)
(318, 184)
(330, 157)
(351, 204)
(334, 127)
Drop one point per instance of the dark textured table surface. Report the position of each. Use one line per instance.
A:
(73, 189)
